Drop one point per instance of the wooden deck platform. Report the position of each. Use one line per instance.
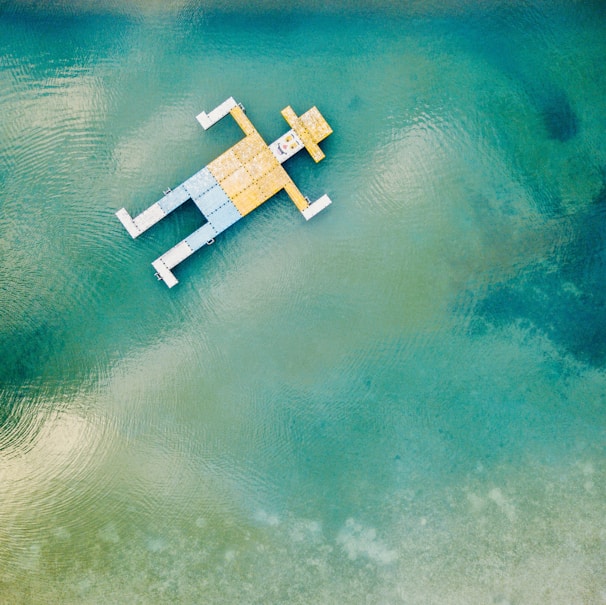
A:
(311, 128)
(237, 182)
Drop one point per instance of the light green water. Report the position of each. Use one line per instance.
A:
(401, 401)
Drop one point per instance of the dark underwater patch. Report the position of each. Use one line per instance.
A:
(600, 198)
(494, 43)
(355, 104)
(560, 119)
(565, 301)
(576, 322)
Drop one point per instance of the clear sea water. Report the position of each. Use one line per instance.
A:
(402, 401)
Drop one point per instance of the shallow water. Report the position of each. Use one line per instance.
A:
(401, 401)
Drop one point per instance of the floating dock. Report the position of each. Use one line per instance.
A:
(237, 182)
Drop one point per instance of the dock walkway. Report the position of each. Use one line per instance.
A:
(234, 184)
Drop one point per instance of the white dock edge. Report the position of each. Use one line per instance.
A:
(176, 255)
(169, 260)
(208, 119)
(164, 273)
(148, 218)
(127, 220)
(317, 206)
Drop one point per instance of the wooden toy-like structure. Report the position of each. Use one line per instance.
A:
(235, 183)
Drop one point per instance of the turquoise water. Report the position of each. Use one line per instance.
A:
(401, 401)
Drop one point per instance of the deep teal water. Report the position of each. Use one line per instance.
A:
(401, 401)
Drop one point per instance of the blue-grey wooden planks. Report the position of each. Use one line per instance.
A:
(224, 216)
(212, 199)
(171, 201)
(200, 237)
(200, 183)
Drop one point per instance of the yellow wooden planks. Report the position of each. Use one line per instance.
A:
(296, 196)
(306, 137)
(237, 181)
(243, 122)
(226, 164)
(262, 163)
(248, 199)
(250, 174)
(249, 147)
(314, 150)
(271, 182)
(288, 113)
(315, 124)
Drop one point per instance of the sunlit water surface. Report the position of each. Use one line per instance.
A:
(401, 401)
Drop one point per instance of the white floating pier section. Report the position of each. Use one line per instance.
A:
(169, 260)
(184, 249)
(218, 113)
(164, 273)
(142, 222)
(317, 206)
(127, 220)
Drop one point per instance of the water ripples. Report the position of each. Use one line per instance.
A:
(297, 367)
(50, 457)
